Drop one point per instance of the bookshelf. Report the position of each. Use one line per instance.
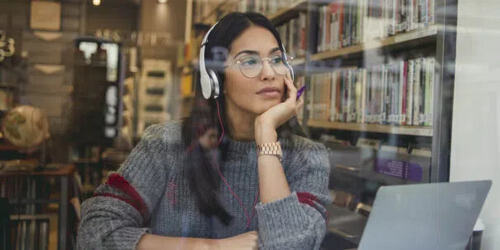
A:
(24, 197)
(35, 231)
(288, 12)
(416, 37)
(374, 128)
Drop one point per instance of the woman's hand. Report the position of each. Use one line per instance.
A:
(246, 241)
(267, 123)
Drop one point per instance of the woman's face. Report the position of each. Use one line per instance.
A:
(258, 94)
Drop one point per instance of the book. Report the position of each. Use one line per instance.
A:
(343, 23)
(399, 93)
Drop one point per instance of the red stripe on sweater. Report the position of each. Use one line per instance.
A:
(117, 181)
(306, 197)
(129, 201)
(310, 199)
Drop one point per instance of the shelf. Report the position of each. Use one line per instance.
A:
(86, 161)
(32, 201)
(298, 61)
(8, 86)
(375, 128)
(191, 96)
(417, 36)
(32, 216)
(340, 169)
(47, 170)
(214, 10)
(286, 13)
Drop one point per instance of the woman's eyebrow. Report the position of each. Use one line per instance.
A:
(274, 50)
(253, 52)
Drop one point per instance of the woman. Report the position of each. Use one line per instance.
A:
(182, 189)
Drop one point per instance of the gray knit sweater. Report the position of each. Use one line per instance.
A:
(150, 194)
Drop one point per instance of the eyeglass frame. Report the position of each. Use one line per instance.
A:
(285, 61)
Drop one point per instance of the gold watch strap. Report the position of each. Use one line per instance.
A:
(272, 148)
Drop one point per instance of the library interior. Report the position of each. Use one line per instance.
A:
(337, 124)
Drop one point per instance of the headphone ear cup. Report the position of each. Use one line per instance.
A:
(215, 83)
(206, 85)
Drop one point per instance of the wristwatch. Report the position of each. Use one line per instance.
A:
(272, 148)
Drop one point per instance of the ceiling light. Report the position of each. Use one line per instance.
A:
(162, 1)
(96, 2)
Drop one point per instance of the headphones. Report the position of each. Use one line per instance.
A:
(210, 82)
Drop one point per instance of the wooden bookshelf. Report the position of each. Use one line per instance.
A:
(298, 61)
(52, 232)
(64, 174)
(375, 128)
(370, 175)
(417, 37)
(287, 13)
(218, 6)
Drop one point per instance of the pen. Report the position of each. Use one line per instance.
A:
(301, 90)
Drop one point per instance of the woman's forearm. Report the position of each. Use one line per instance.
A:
(153, 242)
(272, 180)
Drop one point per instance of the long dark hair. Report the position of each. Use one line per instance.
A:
(203, 177)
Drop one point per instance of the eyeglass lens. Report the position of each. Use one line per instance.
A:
(251, 66)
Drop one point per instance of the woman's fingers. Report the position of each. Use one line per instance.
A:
(292, 91)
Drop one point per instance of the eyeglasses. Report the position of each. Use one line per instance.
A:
(251, 65)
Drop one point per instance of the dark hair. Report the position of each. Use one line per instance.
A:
(203, 177)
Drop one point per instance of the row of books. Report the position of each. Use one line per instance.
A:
(370, 157)
(19, 188)
(266, 6)
(345, 23)
(294, 35)
(399, 93)
(378, 145)
(29, 234)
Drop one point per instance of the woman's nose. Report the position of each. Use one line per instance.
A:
(267, 72)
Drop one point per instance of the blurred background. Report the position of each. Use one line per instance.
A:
(400, 92)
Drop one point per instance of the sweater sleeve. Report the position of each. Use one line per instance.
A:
(298, 221)
(117, 215)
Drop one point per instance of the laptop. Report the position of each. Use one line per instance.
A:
(435, 216)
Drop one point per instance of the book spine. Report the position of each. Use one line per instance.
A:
(320, 29)
(422, 92)
(428, 91)
(409, 109)
(404, 93)
(416, 93)
(338, 106)
(384, 98)
(333, 94)
(342, 23)
(327, 14)
(432, 16)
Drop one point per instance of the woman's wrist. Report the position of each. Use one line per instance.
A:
(265, 133)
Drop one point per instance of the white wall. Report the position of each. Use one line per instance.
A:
(475, 149)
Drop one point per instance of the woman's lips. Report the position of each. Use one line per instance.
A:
(269, 93)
